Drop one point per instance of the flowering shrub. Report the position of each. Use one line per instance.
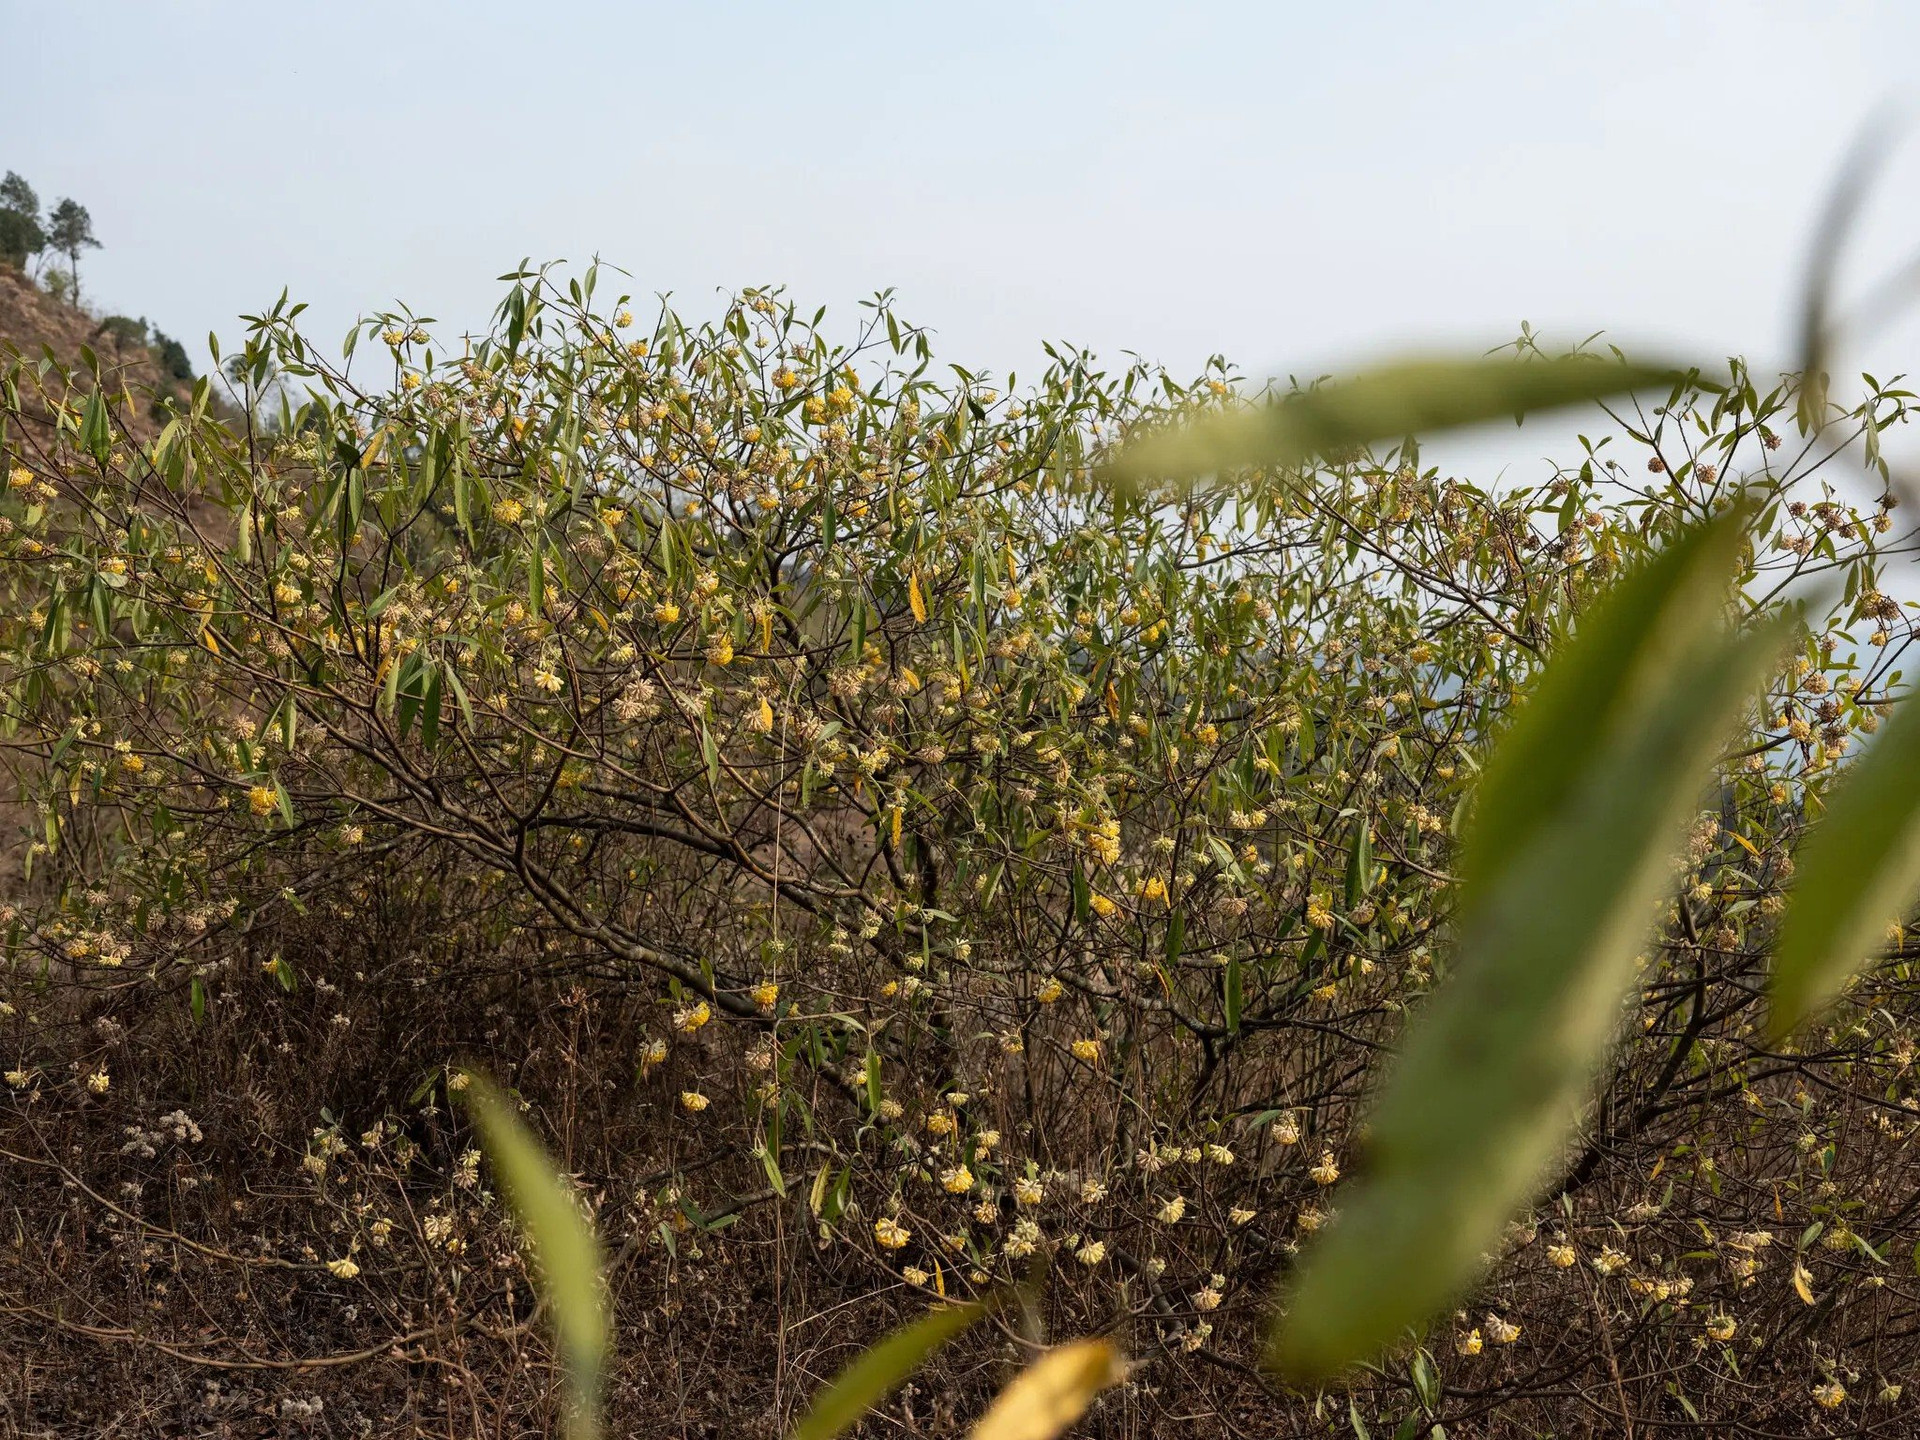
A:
(968, 861)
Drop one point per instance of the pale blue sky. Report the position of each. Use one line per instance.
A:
(1297, 186)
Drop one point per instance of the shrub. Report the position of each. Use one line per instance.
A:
(983, 862)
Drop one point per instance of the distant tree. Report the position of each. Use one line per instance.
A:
(171, 356)
(17, 194)
(21, 234)
(125, 330)
(69, 231)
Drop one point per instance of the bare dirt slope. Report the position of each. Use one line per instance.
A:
(35, 324)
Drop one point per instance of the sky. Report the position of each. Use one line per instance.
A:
(1299, 187)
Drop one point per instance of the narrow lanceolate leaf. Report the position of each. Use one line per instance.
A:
(1858, 873)
(1388, 403)
(1052, 1392)
(565, 1253)
(1823, 260)
(881, 1370)
(1580, 812)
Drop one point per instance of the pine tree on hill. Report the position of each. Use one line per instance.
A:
(69, 231)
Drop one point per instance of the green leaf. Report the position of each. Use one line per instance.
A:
(1581, 809)
(537, 573)
(390, 691)
(1837, 218)
(1386, 403)
(1359, 863)
(96, 436)
(460, 694)
(1426, 1382)
(1858, 872)
(879, 1371)
(566, 1255)
(771, 1164)
(430, 709)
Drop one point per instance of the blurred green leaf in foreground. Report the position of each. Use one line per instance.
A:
(565, 1253)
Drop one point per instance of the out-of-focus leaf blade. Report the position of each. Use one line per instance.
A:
(1052, 1392)
(1857, 873)
(1529, 780)
(1389, 402)
(566, 1254)
(1823, 257)
(1582, 808)
(880, 1371)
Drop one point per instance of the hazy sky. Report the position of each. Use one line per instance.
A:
(1295, 185)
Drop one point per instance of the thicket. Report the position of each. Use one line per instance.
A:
(885, 855)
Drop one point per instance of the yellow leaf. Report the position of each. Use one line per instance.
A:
(766, 631)
(766, 715)
(1801, 1282)
(1744, 843)
(818, 1196)
(894, 819)
(1052, 1392)
(206, 639)
(916, 600)
(1113, 702)
(374, 447)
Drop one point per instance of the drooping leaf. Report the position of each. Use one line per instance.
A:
(1052, 1392)
(1581, 809)
(882, 1369)
(1387, 403)
(1858, 872)
(1842, 209)
(566, 1254)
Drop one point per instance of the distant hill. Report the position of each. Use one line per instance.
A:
(130, 351)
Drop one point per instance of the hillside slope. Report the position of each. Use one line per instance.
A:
(33, 323)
